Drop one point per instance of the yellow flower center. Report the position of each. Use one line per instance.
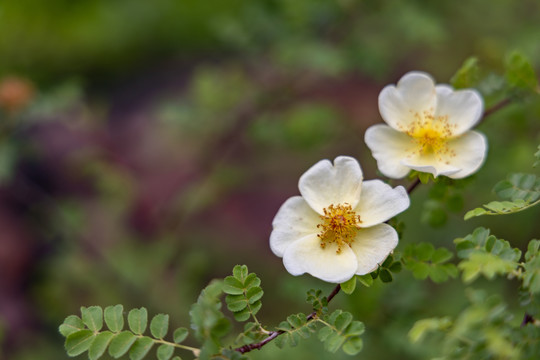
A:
(430, 133)
(339, 225)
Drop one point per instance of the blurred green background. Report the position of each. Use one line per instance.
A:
(145, 147)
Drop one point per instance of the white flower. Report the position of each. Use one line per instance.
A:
(335, 229)
(428, 129)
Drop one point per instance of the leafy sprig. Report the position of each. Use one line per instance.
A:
(84, 334)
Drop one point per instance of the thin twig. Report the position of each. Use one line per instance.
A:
(413, 186)
(498, 106)
(274, 334)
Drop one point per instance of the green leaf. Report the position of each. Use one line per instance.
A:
(385, 275)
(236, 302)
(468, 75)
(92, 317)
(78, 342)
(425, 177)
(121, 343)
(520, 73)
(207, 320)
(519, 186)
(353, 346)
(114, 318)
(71, 324)
(99, 345)
(254, 294)
(138, 320)
(159, 326)
(441, 255)
(242, 315)
(366, 280)
(475, 212)
(531, 274)
(165, 352)
(537, 156)
(484, 263)
(424, 251)
(240, 272)
(140, 348)
(349, 285)
(422, 327)
(233, 286)
(180, 335)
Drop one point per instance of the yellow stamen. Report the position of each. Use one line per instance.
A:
(339, 225)
(431, 134)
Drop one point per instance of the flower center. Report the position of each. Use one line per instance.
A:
(431, 133)
(339, 225)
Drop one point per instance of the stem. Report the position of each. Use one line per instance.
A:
(413, 186)
(274, 334)
(498, 106)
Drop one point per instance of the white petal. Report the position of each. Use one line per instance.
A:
(372, 246)
(389, 147)
(431, 163)
(470, 152)
(307, 256)
(415, 93)
(323, 184)
(464, 108)
(294, 220)
(380, 202)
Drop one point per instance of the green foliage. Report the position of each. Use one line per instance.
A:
(296, 327)
(422, 327)
(392, 264)
(349, 285)
(426, 261)
(207, 320)
(468, 74)
(244, 293)
(519, 186)
(531, 267)
(318, 301)
(341, 331)
(537, 157)
(522, 191)
(520, 73)
(84, 334)
(484, 330)
(484, 254)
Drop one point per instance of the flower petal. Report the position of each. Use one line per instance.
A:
(389, 147)
(470, 152)
(294, 220)
(464, 108)
(380, 202)
(431, 163)
(414, 93)
(372, 246)
(323, 184)
(307, 256)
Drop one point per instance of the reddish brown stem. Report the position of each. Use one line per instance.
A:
(274, 334)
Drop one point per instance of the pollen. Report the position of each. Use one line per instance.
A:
(339, 225)
(431, 134)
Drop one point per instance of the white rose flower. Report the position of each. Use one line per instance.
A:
(428, 129)
(336, 228)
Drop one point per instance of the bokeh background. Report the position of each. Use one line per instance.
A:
(145, 147)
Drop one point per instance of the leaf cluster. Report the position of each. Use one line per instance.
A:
(484, 254)
(483, 330)
(426, 261)
(84, 334)
(339, 330)
(519, 192)
(243, 293)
